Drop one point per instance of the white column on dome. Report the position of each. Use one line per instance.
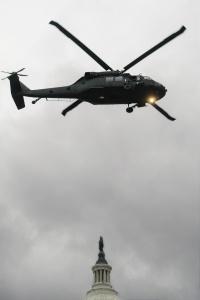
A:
(95, 278)
(108, 277)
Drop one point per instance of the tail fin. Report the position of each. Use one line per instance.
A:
(17, 89)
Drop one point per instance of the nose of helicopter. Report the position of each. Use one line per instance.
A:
(161, 90)
(157, 92)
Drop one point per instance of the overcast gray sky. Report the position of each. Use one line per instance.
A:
(132, 178)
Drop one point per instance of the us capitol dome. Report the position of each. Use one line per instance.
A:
(101, 288)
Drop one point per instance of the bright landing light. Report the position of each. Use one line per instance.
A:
(151, 100)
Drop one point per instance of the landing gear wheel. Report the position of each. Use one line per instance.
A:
(129, 109)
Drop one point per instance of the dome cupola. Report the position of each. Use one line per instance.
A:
(101, 288)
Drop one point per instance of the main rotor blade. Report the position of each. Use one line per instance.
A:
(70, 107)
(165, 41)
(162, 111)
(82, 46)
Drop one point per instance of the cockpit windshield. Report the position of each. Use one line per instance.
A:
(147, 77)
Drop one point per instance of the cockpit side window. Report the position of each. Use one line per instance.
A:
(135, 78)
(138, 78)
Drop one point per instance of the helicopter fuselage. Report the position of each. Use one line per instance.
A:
(110, 87)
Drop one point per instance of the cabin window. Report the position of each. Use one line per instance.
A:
(108, 79)
(118, 78)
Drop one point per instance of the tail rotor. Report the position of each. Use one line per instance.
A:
(14, 73)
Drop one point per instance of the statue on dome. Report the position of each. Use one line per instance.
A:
(101, 244)
(101, 254)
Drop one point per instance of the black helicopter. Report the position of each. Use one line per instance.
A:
(108, 87)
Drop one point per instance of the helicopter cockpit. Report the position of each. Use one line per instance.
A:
(136, 77)
(141, 78)
(147, 78)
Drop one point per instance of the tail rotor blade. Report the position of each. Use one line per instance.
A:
(6, 72)
(163, 112)
(20, 70)
(70, 107)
